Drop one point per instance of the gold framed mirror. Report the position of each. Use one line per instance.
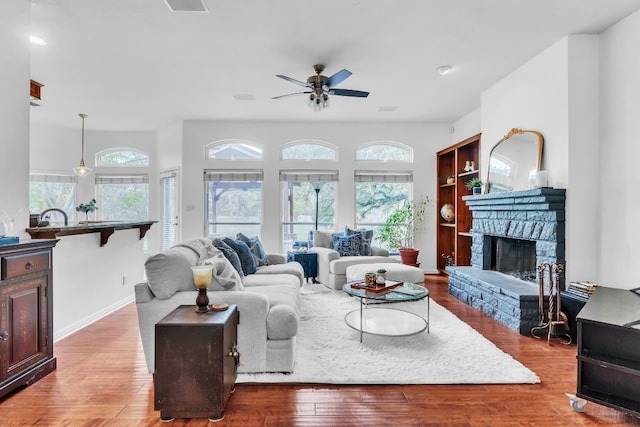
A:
(512, 160)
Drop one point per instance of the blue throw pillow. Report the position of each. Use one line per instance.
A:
(367, 237)
(348, 245)
(255, 245)
(230, 254)
(247, 261)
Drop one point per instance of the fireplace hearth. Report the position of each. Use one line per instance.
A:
(512, 233)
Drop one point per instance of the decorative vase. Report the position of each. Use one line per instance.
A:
(447, 212)
(380, 279)
(409, 256)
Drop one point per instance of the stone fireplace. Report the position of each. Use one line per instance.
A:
(513, 232)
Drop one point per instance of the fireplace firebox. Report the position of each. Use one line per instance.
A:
(515, 257)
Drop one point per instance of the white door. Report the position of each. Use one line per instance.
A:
(169, 220)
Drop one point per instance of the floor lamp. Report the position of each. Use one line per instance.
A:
(317, 186)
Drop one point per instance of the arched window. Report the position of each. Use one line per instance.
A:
(122, 157)
(385, 151)
(309, 150)
(233, 149)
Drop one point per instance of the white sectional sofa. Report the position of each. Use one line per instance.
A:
(268, 301)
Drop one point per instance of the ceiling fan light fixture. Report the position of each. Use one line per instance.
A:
(443, 70)
(82, 169)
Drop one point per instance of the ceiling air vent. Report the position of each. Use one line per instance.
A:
(187, 6)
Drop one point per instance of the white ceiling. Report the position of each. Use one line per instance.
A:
(135, 65)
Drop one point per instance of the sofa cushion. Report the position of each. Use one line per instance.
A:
(293, 268)
(261, 280)
(348, 245)
(229, 253)
(170, 271)
(224, 276)
(257, 250)
(339, 266)
(323, 239)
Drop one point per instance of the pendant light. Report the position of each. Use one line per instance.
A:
(82, 170)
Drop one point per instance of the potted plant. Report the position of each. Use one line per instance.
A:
(86, 208)
(474, 184)
(451, 179)
(402, 226)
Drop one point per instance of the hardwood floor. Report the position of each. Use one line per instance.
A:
(102, 380)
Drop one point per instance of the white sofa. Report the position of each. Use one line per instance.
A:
(268, 302)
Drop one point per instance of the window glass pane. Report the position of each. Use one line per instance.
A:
(375, 201)
(234, 207)
(233, 150)
(168, 213)
(123, 201)
(383, 152)
(308, 151)
(299, 210)
(44, 195)
(123, 158)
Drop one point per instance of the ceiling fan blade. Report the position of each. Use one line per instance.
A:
(290, 94)
(289, 79)
(349, 92)
(337, 78)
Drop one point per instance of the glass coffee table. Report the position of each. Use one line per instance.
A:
(386, 321)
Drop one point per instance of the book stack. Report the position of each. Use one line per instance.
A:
(582, 289)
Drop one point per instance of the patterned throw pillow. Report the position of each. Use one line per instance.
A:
(255, 245)
(367, 237)
(348, 245)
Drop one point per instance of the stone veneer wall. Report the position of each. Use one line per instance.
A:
(537, 215)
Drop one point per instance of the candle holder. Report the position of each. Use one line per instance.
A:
(202, 279)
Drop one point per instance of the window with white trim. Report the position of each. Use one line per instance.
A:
(385, 151)
(168, 214)
(233, 149)
(123, 197)
(378, 194)
(53, 191)
(299, 203)
(309, 150)
(233, 202)
(122, 158)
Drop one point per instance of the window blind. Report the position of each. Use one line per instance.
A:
(122, 179)
(308, 175)
(234, 175)
(167, 230)
(36, 177)
(383, 176)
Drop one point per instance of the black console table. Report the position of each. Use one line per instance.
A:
(609, 349)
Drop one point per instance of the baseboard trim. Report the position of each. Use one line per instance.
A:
(83, 323)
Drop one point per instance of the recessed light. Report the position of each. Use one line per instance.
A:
(187, 6)
(387, 108)
(37, 41)
(443, 70)
(243, 97)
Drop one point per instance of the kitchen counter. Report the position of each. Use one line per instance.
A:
(105, 228)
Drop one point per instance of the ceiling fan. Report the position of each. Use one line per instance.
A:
(319, 87)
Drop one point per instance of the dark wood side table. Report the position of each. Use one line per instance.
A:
(196, 360)
(309, 262)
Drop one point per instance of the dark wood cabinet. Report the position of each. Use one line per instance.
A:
(453, 238)
(196, 362)
(609, 349)
(26, 313)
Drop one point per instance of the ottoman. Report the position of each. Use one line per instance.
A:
(399, 272)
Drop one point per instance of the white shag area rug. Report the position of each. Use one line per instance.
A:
(328, 351)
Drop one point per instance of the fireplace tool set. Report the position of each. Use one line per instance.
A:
(553, 321)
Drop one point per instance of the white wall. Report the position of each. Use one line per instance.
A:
(467, 126)
(620, 153)
(15, 18)
(426, 140)
(88, 278)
